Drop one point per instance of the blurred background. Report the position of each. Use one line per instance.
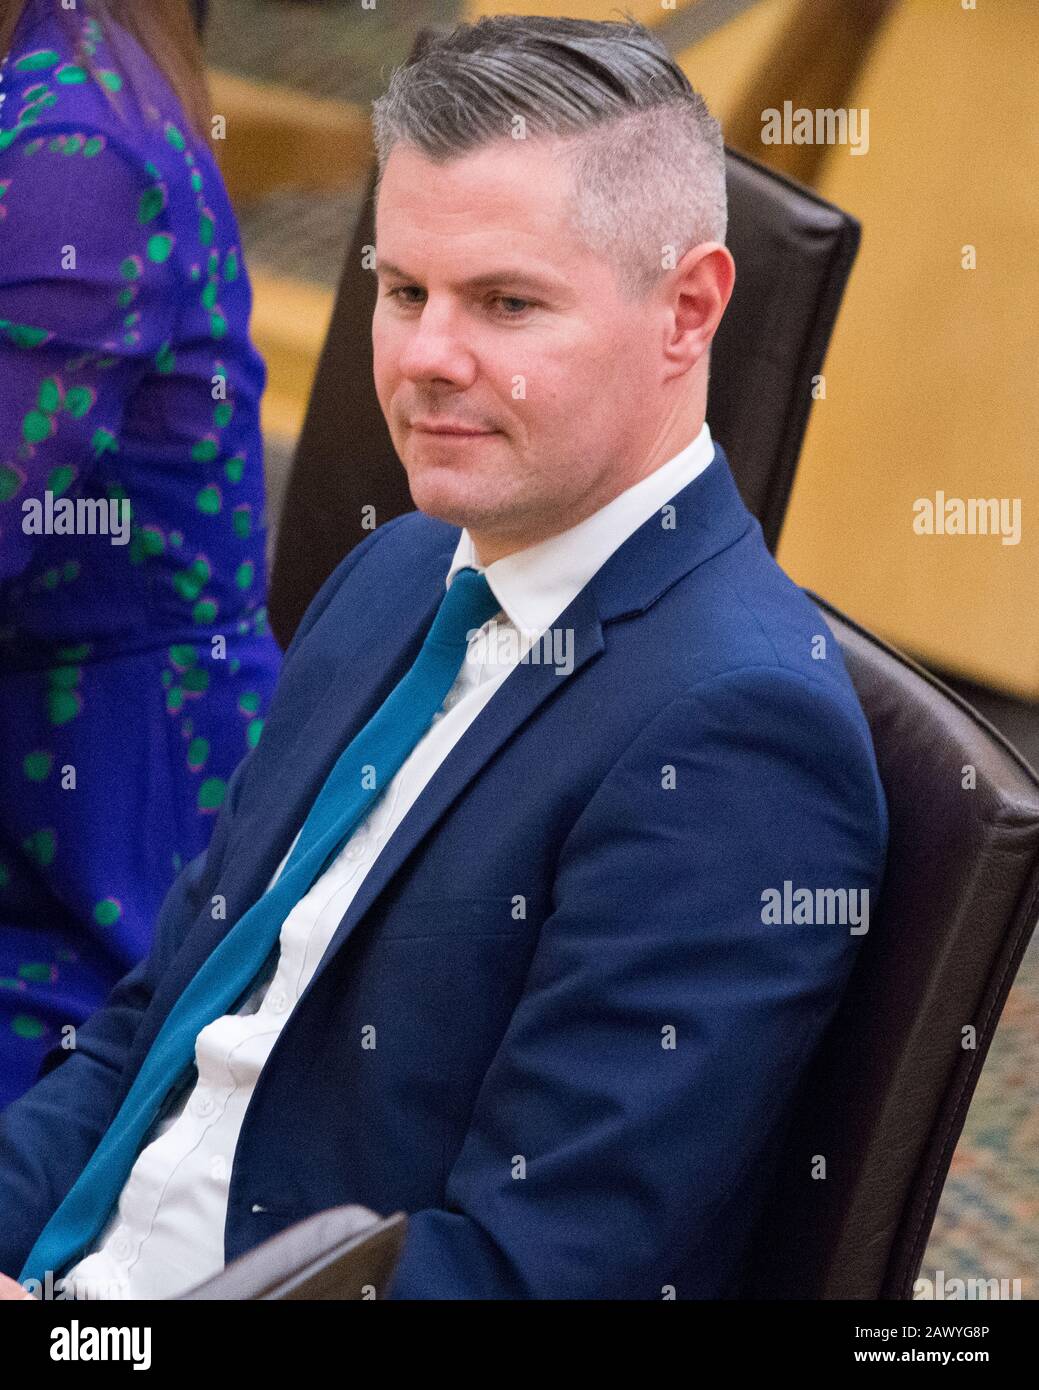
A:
(930, 381)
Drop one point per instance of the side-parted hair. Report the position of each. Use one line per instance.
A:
(646, 156)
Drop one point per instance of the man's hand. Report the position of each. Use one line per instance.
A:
(11, 1289)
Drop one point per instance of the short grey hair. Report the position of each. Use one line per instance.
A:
(646, 156)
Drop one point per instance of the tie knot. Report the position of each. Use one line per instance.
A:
(468, 603)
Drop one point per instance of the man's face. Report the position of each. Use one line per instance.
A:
(543, 357)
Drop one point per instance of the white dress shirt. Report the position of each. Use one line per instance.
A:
(166, 1233)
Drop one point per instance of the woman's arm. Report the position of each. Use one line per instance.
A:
(90, 291)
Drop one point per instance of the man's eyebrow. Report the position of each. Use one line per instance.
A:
(505, 276)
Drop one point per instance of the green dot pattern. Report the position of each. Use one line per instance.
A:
(114, 733)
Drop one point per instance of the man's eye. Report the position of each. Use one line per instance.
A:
(505, 299)
(402, 289)
(512, 299)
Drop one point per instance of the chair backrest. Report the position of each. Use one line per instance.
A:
(793, 254)
(886, 1095)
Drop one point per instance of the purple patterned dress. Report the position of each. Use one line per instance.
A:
(135, 661)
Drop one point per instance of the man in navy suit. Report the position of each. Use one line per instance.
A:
(554, 995)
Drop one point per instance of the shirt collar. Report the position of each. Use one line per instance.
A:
(538, 583)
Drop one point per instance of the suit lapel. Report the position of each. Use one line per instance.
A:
(709, 517)
(522, 692)
(377, 654)
(285, 777)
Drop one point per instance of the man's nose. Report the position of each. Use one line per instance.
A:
(437, 345)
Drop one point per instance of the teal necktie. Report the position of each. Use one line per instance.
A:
(345, 799)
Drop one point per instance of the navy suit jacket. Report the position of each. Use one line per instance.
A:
(587, 1037)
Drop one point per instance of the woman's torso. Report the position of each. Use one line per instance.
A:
(133, 678)
(187, 453)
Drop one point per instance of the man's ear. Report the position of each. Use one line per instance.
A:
(701, 287)
(718, 258)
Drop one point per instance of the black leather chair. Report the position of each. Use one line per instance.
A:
(887, 1094)
(885, 1097)
(344, 1253)
(793, 255)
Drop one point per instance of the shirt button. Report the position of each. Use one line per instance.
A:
(203, 1105)
(278, 1002)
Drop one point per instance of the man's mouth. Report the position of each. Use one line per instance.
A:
(450, 429)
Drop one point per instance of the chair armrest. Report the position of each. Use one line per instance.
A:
(335, 1254)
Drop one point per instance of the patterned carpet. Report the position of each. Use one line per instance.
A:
(987, 1224)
